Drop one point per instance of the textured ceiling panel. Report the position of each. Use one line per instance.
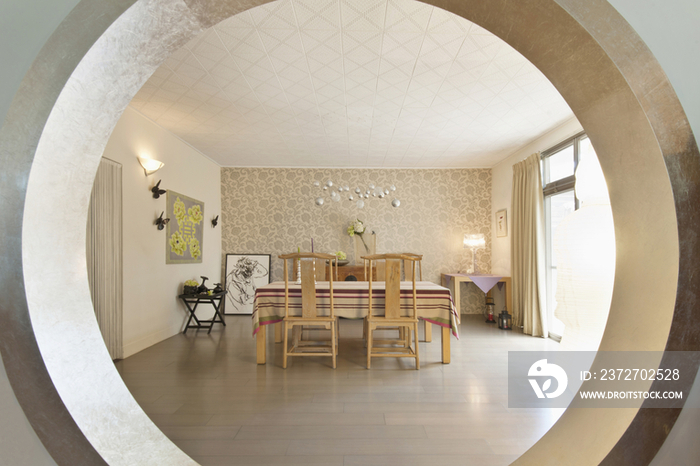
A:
(348, 83)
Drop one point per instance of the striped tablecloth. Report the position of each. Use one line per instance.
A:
(350, 300)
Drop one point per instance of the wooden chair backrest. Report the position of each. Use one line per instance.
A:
(408, 270)
(308, 261)
(320, 270)
(379, 270)
(392, 284)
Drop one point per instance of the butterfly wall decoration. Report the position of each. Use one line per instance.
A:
(215, 221)
(161, 222)
(157, 192)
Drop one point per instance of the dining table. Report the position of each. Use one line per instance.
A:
(351, 301)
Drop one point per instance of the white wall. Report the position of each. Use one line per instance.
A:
(152, 311)
(502, 188)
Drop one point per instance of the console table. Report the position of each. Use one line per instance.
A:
(193, 300)
(452, 281)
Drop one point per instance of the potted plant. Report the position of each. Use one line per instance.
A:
(190, 287)
(342, 258)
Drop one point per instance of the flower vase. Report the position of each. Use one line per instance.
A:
(364, 245)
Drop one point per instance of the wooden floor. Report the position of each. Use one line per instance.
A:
(209, 396)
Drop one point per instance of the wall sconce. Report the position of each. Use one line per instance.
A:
(214, 221)
(157, 192)
(474, 242)
(150, 166)
(161, 222)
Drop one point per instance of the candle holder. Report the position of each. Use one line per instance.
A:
(490, 319)
(505, 320)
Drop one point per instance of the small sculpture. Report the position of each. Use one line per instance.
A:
(202, 288)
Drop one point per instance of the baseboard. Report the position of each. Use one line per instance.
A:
(149, 340)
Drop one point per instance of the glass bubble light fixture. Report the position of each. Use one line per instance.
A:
(370, 191)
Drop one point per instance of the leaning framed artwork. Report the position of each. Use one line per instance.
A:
(501, 223)
(244, 274)
(184, 238)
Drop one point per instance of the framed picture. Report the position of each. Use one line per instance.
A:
(501, 223)
(183, 241)
(244, 274)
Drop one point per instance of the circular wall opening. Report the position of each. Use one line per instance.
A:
(633, 122)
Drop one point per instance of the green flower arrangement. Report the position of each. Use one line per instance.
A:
(190, 287)
(341, 255)
(358, 228)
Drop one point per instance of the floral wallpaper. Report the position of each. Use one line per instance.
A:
(272, 211)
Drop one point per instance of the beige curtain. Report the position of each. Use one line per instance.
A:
(104, 253)
(528, 248)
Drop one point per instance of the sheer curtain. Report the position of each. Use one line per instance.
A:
(528, 248)
(104, 253)
(585, 248)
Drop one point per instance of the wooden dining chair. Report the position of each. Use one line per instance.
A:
(392, 316)
(408, 276)
(321, 270)
(408, 270)
(377, 270)
(311, 315)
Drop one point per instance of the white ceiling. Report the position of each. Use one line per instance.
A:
(351, 83)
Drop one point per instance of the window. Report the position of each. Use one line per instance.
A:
(558, 167)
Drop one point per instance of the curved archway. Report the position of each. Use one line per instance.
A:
(634, 119)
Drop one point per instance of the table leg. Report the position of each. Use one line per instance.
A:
(216, 314)
(428, 331)
(192, 316)
(455, 295)
(260, 340)
(279, 332)
(445, 345)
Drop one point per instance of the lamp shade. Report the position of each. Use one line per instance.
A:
(474, 241)
(150, 166)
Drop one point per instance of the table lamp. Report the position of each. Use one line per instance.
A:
(474, 242)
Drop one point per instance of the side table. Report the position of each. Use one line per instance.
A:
(193, 300)
(452, 281)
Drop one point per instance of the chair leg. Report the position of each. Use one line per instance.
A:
(415, 329)
(337, 333)
(364, 331)
(369, 345)
(334, 348)
(285, 347)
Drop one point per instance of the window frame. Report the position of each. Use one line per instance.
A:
(550, 189)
